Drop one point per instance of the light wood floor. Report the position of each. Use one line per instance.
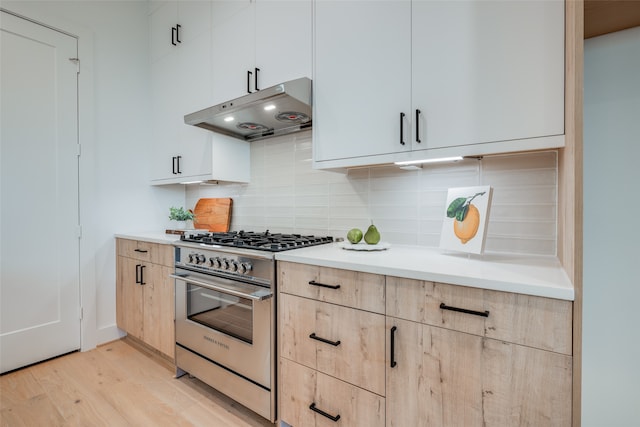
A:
(114, 385)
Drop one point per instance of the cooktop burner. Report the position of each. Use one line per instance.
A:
(264, 241)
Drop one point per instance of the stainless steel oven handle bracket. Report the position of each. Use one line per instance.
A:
(259, 295)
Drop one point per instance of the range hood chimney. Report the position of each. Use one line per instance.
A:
(274, 111)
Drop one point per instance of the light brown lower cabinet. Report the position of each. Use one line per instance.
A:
(314, 399)
(145, 294)
(437, 355)
(442, 377)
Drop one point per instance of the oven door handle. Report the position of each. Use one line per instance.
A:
(260, 294)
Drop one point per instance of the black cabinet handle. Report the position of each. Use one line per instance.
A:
(324, 414)
(324, 340)
(138, 270)
(418, 112)
(322, 285)
(255, 79)
(176, 165)
(443, 306)
(393, 347)
(249, 73)
(402, 128)
(142, 267)
(175, 35)
(142, 251)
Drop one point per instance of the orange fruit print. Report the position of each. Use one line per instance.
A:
(466, 229)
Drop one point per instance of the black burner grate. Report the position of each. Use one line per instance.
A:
(264, 241)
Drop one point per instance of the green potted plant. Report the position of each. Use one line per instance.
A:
(181, 216)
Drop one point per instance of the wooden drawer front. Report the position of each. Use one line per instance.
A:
(533, 321)
(359, 358)
(359, 290)
(145, 251)
(300, 387)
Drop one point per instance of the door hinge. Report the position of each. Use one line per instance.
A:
(79, 231)
(81, 313)
(77, 61)
(79, 149)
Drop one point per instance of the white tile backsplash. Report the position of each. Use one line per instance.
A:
(287, 195)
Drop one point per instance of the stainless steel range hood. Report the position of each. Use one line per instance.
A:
(278, 110)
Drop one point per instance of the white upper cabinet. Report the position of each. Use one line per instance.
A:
(258, 44)
(283, 41)
(471, 77)
(487, 71)
(181, 83)
(233, 47)
(362, 79)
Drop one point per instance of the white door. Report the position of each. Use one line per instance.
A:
(39, 253)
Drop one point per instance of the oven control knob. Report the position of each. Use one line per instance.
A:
(200, 259)
(216, 262)
(233, 266)
(191, 258)
(225, 264)
(244, 267)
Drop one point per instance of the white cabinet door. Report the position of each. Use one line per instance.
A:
(233, 49)
(362, 78)
(487, 71)
(283, 40)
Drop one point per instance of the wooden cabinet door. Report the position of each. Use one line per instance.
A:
(436, 379)
(159, 309)
(362, 78)
(525, 386)
(487, 71)
(129, 297)
(449, 378)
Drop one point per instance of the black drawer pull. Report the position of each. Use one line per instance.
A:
(464, 310)
(393, 347)
(324, 414)
(322, 285)
(142, 251)
(402, 128)
(313, 336)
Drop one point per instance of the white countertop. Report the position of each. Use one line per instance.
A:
(151, 237)
(524, 274)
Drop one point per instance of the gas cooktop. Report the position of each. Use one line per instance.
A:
(264, 241)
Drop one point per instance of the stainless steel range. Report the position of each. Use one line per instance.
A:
(226, 312)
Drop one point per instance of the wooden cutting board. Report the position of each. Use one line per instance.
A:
(213, 214)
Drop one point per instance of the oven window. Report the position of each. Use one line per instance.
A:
(225, 313)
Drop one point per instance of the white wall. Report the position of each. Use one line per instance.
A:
(287, 195)
(611, 334)
(115, 134)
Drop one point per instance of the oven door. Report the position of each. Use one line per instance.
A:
(226, 321)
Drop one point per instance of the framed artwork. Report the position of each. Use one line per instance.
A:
(465, 219)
